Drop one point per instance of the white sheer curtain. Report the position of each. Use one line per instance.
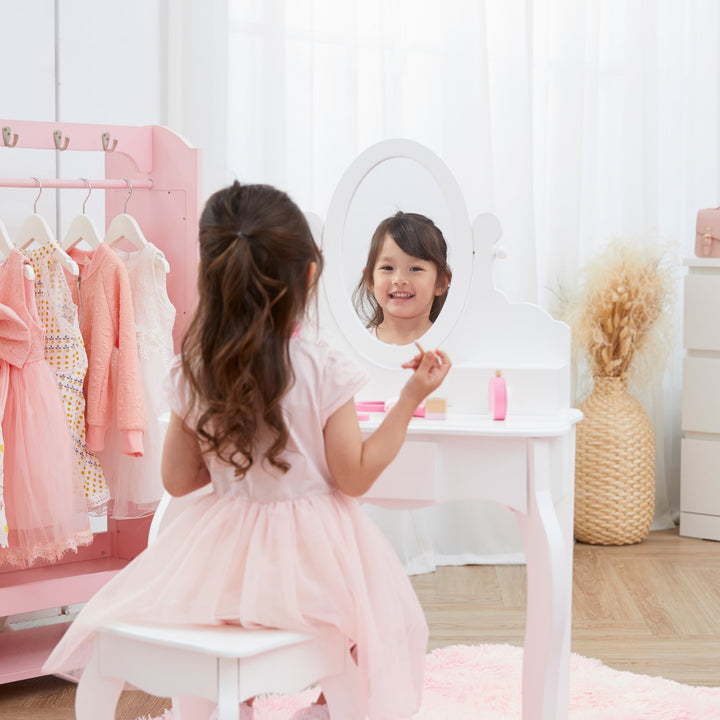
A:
(573, 121)
(313, 83)
(626, 106)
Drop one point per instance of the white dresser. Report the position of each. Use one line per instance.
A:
(700, 457)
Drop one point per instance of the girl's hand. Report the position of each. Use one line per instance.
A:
(431, 368)
(414, 363)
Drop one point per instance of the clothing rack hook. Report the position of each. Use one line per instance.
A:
(129, 195)
(87, 197)
(58, 135)
(7, 134)
(106, 142)
(37, 180)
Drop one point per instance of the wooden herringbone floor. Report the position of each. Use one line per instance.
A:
(652, 608)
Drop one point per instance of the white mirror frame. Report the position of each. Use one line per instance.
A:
(459, 237)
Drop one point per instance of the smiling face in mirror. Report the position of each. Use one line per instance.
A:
(405, 280)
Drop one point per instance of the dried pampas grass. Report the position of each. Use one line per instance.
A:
(621, 318)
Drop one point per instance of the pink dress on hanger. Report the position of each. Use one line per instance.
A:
(135, 482)
(45, 513)
(278, 550)
(65, 351)
(15, 343)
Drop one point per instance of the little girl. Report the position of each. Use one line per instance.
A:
(269, 419)
(405, 280)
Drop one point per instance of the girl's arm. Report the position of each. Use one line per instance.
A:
(183, 466)
(356, 464)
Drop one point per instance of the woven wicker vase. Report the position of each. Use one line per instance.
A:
(614, 467)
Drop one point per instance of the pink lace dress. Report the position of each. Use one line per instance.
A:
(278, 550)
(46, 515)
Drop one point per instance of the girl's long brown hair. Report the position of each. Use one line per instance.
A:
(255, 253)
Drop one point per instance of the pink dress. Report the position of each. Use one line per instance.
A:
(15, 343)
(288, 551)
(46, 515)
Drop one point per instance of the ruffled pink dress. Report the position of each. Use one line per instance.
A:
(46, 511)
(15, 344)
(278, 550)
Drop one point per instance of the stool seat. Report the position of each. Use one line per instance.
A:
(222, 640)
(223, 664)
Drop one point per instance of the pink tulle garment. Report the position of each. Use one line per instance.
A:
(278, 550)
(45, 507)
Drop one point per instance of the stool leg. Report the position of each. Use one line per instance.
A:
(96, 696)
(192, 708)
(345, 697)
(228, 689)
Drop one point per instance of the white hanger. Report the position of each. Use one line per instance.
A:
(82, 228)
(6, 244)
(125, 226)
(36, 229)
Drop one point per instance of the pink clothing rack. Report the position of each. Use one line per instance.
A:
(133, 141)
(164, 172)
(82, 184)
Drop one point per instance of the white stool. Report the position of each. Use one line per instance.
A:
(222, 664)
(199, 665)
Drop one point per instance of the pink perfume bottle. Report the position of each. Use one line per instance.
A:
(497, 396)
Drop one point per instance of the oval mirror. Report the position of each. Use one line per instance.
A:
(391, 176)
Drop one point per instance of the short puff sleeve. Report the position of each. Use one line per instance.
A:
(341, 379)
(176, 388)
(15, 337)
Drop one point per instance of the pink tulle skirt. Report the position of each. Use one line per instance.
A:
(46, 511)
(294, 564)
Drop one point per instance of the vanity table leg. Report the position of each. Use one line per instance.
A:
(547, 536)
(97, 696)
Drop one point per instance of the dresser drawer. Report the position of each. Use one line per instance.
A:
(410, 477)
(701, 394)
(700, 476)
(701, 303)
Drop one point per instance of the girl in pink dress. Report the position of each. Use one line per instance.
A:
(269, 419)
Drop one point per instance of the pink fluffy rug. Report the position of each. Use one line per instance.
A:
(482, 682)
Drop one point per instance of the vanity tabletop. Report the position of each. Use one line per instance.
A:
(482, 425)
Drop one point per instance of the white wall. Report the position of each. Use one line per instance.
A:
(77, 61)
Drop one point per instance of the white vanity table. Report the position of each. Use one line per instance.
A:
(526, 462)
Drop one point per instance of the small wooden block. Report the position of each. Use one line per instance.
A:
(436, 408)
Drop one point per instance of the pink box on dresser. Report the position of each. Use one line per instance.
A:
(707, 233)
